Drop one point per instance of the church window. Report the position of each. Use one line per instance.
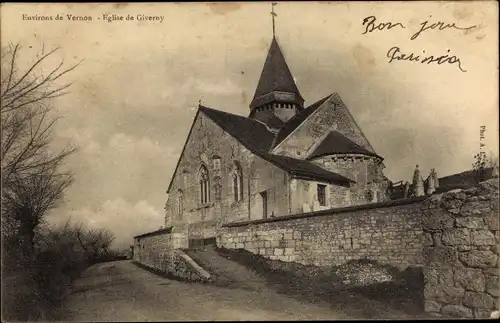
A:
(204, 185)
(322, 194)
(237, 182)
(217, 189)
(180, 202)
(235, 187)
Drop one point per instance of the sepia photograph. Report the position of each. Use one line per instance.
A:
(249, 161)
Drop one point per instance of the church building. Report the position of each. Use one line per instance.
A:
(283, 158)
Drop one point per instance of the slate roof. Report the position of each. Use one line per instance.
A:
(258, 139)
(249, 132)
(276, 75)
(297, 120)
(336, 143)
(274, 122)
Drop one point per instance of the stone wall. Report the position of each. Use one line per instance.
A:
(158, 251)
(454, 236)
(367, 172)
(155, 249)
(389, 233)
(462, 252)
(332, 115)
(219, 152)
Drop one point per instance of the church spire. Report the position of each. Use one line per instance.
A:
(276, 75)
(276, 98)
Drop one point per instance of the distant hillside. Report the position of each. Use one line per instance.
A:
(461, 180)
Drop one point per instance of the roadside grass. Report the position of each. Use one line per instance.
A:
(399, 298)
(34, 289)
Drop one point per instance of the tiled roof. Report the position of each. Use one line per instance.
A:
(249, 132)
(305, 168)
(275, 122)
(258, 139)
(336, 143)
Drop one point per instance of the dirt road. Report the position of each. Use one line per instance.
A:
(121, 291)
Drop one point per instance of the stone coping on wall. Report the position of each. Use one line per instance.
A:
(331, 211)
(153, 233)
(199, 270)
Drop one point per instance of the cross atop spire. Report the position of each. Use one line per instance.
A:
(276, 96)
(273, 14)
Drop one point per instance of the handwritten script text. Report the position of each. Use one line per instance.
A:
(371, 25)
(395, 53)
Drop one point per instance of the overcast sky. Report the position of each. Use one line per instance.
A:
(136, 92)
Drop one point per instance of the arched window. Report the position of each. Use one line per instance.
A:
(204, 185)
(217, 188)
(236, 187)
(180, 202)
(237, 182)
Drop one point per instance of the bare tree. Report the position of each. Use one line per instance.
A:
(479, 165)
(98, 242)
(32, 180)
(28, 199)
(482, 162)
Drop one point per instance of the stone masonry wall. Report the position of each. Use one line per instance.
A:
(160, 253)
(389, 233)
(332, 115)
(462, 252)
(219, 152)
(155, 251)
(366, 171)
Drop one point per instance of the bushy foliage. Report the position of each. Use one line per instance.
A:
(35, 286)
(38, 263)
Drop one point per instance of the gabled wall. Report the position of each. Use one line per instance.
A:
(331, 115)
(208, 140)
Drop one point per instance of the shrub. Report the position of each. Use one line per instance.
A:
(34, 286)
